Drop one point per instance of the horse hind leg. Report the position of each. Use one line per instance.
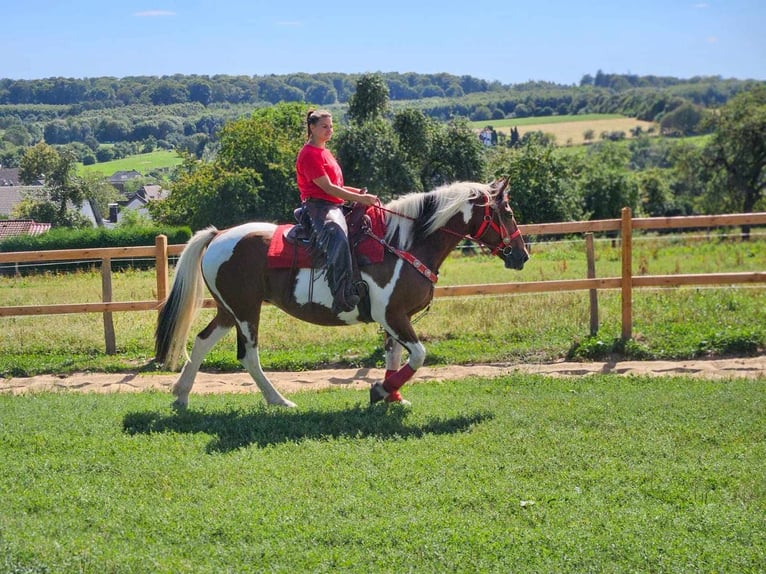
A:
(247, 353)
(205, 340)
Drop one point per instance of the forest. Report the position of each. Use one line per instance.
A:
(239, 158)
(105, 118)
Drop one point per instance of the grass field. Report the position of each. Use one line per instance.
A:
(539, 327)
(515, 474)
(143, 163)
(569, 130)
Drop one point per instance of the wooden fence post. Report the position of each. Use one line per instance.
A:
(161, 266)
(626, 230)
(591, 261)
(106, 297)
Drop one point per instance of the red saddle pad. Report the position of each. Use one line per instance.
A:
(283, 255)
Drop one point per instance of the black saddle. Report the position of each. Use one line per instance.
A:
(357, 222)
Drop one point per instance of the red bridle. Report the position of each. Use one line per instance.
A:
(489, 223)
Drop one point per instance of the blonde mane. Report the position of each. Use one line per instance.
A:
(438, 206)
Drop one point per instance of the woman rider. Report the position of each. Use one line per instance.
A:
(320, 182)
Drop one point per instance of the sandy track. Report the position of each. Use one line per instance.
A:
(290, 382)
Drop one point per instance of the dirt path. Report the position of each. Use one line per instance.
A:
(751, 367)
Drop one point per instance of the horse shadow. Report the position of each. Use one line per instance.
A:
(234, 428)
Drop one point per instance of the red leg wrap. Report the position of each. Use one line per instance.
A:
(396, 380)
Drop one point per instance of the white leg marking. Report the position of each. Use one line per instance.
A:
(183, 385)
(417, 355)
(393, 354)
(252, 363)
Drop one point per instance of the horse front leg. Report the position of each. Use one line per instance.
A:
(393, 355)
(396, 376)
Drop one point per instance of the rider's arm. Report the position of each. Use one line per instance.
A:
(345, 193)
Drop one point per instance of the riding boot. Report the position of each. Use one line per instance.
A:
(330, 239)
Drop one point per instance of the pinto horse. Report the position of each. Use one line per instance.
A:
(421, 231)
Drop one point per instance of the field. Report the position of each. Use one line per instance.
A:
(143, 163)
(541, 327)
(518, 473)
(569, 130)
(514, 474)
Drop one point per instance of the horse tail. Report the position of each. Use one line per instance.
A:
(180, 308)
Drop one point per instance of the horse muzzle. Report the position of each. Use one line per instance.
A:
(514, 258)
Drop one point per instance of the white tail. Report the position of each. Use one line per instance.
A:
(184, 301)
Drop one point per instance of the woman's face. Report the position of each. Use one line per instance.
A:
(322, 129)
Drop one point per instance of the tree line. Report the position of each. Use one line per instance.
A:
(395, 150)
(393, 153)
(105, 118)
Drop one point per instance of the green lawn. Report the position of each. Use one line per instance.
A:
(515, 474)
(143, 163)
(458, 330)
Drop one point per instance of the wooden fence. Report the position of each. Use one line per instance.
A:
(626, 282)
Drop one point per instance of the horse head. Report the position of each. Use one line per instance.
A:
(499, 230)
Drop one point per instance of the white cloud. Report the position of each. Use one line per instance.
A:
(154, 13)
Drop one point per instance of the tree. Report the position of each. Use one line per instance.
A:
(56, 169)
(735, 157)
(540, 182)
(206, 194)
(606, 183)
(371, 157)
(268, 143)
(684, 120)
(370, 101)
(251, 178)
(656, 194)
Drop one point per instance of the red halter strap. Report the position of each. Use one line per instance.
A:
(489, 223)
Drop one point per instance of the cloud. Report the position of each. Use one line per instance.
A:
(711, 39)
(154, 13)
(290, 23)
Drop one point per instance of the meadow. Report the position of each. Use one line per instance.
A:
(570, 130)
(459, 330)
(518, 473)
(143, 163)
(515, 474)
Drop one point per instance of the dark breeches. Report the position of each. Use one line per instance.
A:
(329, 239)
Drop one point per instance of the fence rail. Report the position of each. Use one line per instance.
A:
(626, 282)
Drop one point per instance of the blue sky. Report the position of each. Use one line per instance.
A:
(505, 40)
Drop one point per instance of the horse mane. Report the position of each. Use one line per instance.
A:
(418, 215)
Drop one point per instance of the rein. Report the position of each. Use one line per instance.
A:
(487, 223)
(419, 266)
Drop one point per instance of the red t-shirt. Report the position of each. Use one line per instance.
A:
(314, 162)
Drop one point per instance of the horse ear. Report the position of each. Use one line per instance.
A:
(502, 189)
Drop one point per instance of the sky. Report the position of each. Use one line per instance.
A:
(496, 40)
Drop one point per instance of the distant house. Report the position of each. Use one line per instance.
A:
(9, 176)
(119, 178)
(12, 227)
(138, 201)
(12, 191)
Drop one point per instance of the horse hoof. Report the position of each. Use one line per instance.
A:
(397, 399)
(179, 405)
(378, 393)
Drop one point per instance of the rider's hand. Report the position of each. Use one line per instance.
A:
(366, 198)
